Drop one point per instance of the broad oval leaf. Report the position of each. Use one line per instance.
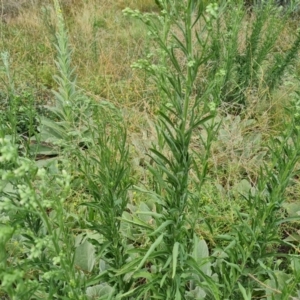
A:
(85, 256)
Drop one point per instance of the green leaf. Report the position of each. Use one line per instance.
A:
(167, 263)
(234, 266)
(293, 237)
(201, 255)
(286, 220)
(137, 222)
(243, 187)
(196, 294)
(161, 227)
(51, 130)
(161, 156)
(244, 293)
(129, 267)
(178, 295)
(293, 209)
(274, 286)
(102, 266)
(143, 274)
(175, 255)
(224, 237)
(295, 265)
(122, 296)
(151, 249)
(150, 213)
(100, 290)
(85, 256)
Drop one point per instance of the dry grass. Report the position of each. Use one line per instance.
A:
(142, 5)
(105, 44)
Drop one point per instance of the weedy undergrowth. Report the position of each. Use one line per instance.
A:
(249, 260)
(37, 249)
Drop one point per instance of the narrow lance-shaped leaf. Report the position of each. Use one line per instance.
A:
(175, 255)
(151, 249)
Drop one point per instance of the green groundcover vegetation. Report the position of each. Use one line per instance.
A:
(149, 150)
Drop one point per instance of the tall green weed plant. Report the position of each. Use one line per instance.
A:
(106, 170)
(175, 263)
(64, 128)
(37, 248)
(174, 257)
